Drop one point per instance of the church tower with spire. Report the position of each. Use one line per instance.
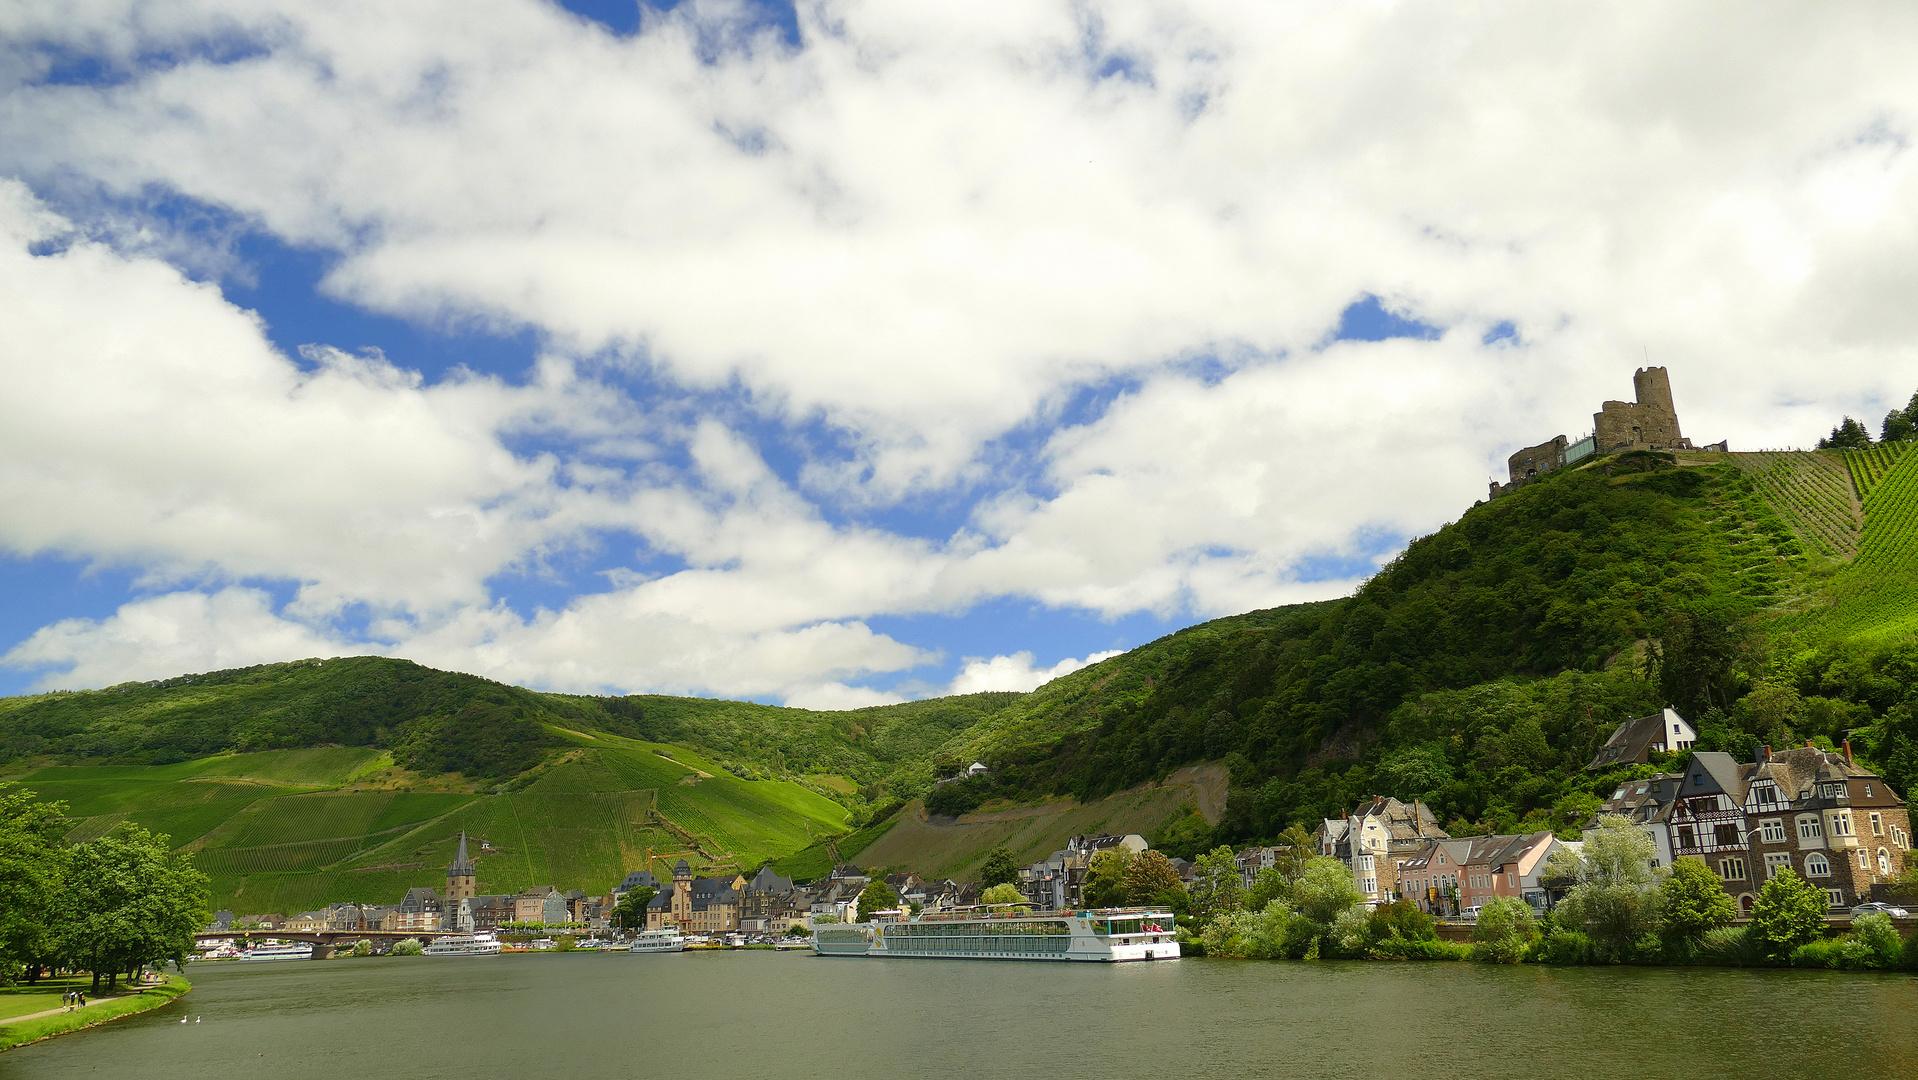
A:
(462, 881)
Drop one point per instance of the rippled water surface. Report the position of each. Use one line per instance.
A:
(760, 1014)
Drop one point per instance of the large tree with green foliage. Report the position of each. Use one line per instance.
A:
(877, 896)
(1616, 896)
(1694, 902)
(1003, 893)
(999, 868)
(32, 872)
(1788, 913)
(1325, 890)
(630, 912)
(128, 901)
(1217, 886)
(1150, 876)
(1105, 878)
(1505, 926)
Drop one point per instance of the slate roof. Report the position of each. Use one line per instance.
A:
(766, 881)
(1798, 771)
(1632, 741)
(638, 879)
(1640, 800)
(462, 866)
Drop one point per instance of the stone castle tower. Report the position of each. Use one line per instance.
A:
(462, 880)
(1651, 422)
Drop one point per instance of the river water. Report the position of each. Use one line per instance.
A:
(752, 1015)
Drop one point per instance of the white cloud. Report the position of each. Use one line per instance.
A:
(167, 635)
(930, 229)
(1016, 672)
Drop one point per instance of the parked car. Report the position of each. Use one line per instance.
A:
(1470, 912)
(1879, 908)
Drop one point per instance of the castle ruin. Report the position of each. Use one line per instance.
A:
(1650, 423)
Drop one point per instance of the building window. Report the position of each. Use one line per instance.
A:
(1776, 862)
(1772, 830)
(1685, 837)
(1867, 791)
(1727, 835)
(1731, 869)
(1817, 865)
(1841, 823)
(1835, 897)
(1809, 828)
(1864, 859)
(1884, 862)
(1877, 824)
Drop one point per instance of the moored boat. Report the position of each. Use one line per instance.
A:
(279, 950)
(665, 939)
(1106, 935)
(463, 945)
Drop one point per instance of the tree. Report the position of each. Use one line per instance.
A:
(999, 869)
(1694, 902)
(1149, 875)
(1615, 896)
(1216, 885)
(1294, 849)
(1902, 423)
(128, 901)
(1325, 890)
(1848, 435)
(32, 870)
(630, 912)
(1505, 926)
(1105, 878)
(877, 896)
(1004, 893)
(1788, 913)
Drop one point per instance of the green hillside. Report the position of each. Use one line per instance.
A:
(288, 830)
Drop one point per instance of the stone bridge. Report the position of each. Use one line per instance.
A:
(323, 941)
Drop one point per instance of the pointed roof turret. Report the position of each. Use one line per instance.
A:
(462, 866)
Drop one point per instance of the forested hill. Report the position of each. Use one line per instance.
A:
(1481, 669)
(444, 722)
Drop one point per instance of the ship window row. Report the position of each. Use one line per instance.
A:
(1015, 945)
(1035, 929)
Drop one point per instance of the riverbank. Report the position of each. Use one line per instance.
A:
(34, 1027)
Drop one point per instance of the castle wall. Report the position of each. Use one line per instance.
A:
(1537, 460)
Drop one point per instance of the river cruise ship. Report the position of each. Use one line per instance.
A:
(463, 945)
(279, 950)
(1107, 935)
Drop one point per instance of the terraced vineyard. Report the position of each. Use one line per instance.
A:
(1877, 595)
(286, 831)
(1870, 465)
(1813, 491)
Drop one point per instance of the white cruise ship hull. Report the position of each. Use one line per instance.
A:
(477, 945)
(1100, 937)
(278, 952)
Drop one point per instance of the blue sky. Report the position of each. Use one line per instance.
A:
(839, 354)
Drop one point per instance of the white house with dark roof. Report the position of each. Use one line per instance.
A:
(1634, 741)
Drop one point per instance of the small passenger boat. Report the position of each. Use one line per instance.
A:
(279, 950)
(665, 939)
(463, 945)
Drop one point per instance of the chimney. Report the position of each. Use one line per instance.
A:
(1848, 760)
(1809, 746)
(1766, 755)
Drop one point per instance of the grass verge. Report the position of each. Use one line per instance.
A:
(19, 1033)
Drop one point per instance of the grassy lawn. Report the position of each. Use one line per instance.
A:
(21, 999)
(98, 1009)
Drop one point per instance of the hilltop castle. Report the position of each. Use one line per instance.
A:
(1650, 423)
